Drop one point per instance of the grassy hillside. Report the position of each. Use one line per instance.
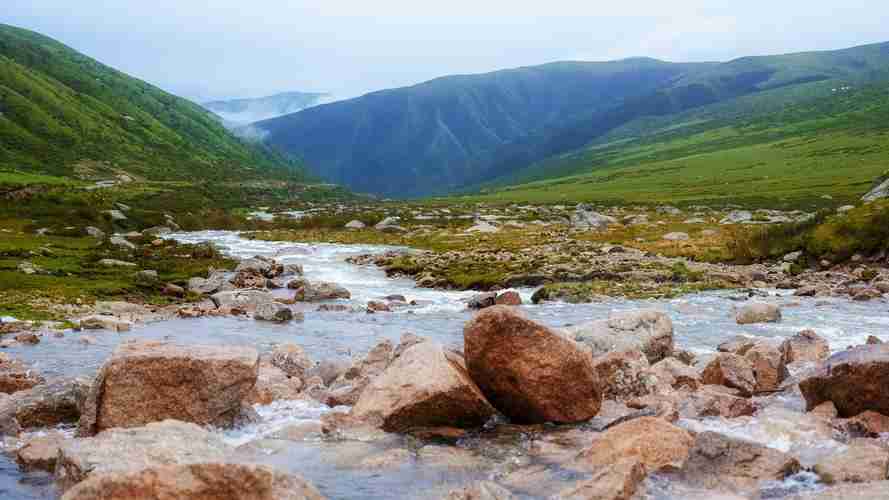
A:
(64, 114)
(790, 156)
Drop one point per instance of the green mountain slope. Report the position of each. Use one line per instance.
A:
(459, 131)
(62, 113)
(745, 151)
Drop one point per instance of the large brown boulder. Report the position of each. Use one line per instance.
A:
(676, 374)
(854, 380)
(717, 461)
(645, 330)
(758, 312)
(716, 401)
(805, 346)
(769, 369)
(529, 372)
(146, 382)
(654, 442)
(732, 371)
(862, 461)
(45, 405)
(205, 481)
(124, 450)
(427, 386)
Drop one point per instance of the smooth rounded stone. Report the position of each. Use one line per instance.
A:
(676, 236)
(717, 461)
(862, 461)
(482, 300)
(123, 450)
(196, 481)
(758, 312)
(314, 292)
(769, 369)
(644, 330)
(805, 346)
(731, 371)
(16, 376)
(618, 481)
(855, 381)
(39, 453)
(146, 382)
(623, 375)
(242, 299)
(676, 374)
(655, 443)
(274, 312)
(529, 372)
(427, 386)
(45, 405)
(853, 491)
(482, 490)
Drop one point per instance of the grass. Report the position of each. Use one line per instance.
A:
(834, 145)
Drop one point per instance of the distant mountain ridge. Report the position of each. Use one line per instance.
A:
(63, 113)
(239, 112)
(451, 132)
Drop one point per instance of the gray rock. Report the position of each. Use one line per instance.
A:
(736, 217)
(881, 190)
(758, 313)
(116, 215)
(355, 224)
(95, 232)
(157, 231)
(247, 299)
(644, 330)
(273, 311)
(313, 292)
(115, 263)
(585, 218)
(121, 242)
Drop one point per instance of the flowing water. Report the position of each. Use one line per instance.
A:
(701, 322)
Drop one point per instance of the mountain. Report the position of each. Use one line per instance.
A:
(239, 112)
(459, 131)
(65, 114)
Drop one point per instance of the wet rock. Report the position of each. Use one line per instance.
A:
(758, 313)
(623, 375)
(121, 450)
(427, 386)
(105, 322)
(854, 380)
(146, 382)
(274, 312)
(866, 293)
(328, 370)
(654, 442)
(805, 346)
(732, 371)
(292, 359)
(39, 453)
(717, 461)
(769, 369)
(618, 481)
(377, 306)
(482, 301)
(272, 384)
(530, 373)
(482, 490)
(45, 405)
(314, 292)
(866, 424)
(645, 330)
(16, 376)
(873, 340)
(509, 299)
(242, 299)
(196, 481)
(873, 490)
(676, 374)
(27, 338)
(739, 344)
(861, 462)
(247, 279)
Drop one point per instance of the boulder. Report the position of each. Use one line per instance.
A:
(862, 461)
(242, 299)
(482, 300)
(122, 243)
(45, 405)
(855, 381)
(122, 450)
(758, 312)
(355, 224)
(260, 266)
(147, 277)
(529, 372)
(676, 374)
(292, 359)
(805, 346)
(645, 330)
(716, 401)
(585, 218)
(623, 375)
(509, 298)
(215, 282)
(732, 371)
(247, 279)
(146, 382)
(427, 386)
(273, 384)
(717, 461)
(653, 442)
(196, 481)
(617, 481)
(769, 369)
(274, 312)
(16, 376)
(39, 453)
(314, 292)
(739, 344)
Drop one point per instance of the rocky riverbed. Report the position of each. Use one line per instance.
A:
(399, 391)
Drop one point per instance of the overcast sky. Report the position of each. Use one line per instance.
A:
(249, 48)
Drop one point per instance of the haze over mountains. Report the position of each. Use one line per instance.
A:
(239, 112)
(458, 131)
